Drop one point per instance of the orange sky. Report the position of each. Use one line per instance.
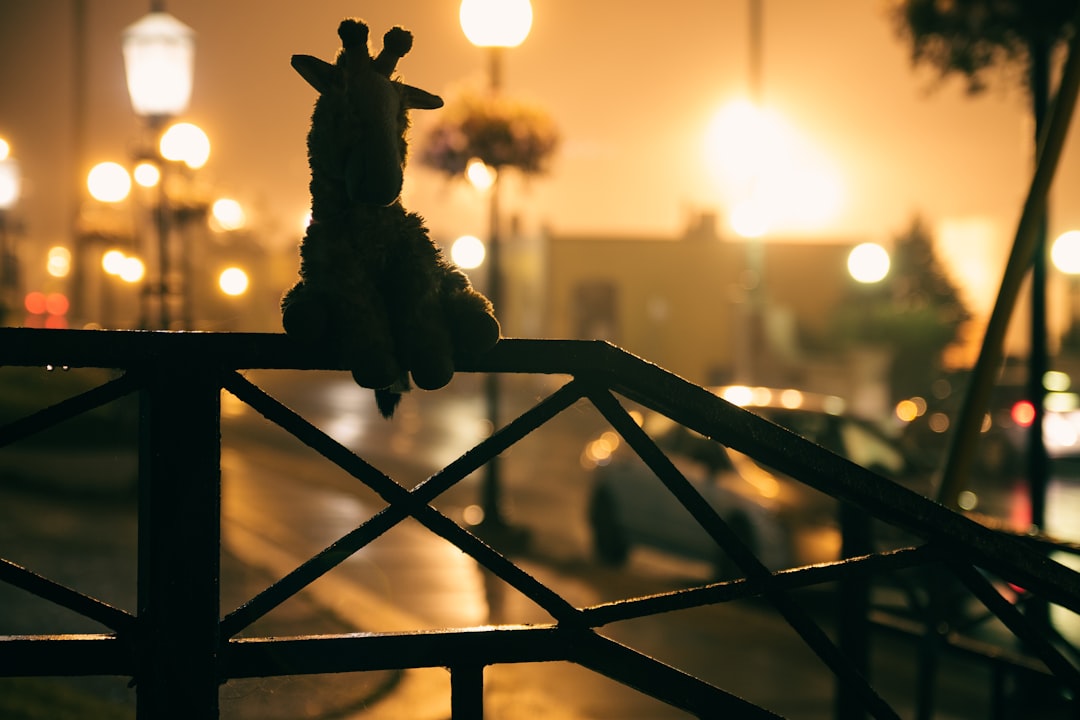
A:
(632, 85)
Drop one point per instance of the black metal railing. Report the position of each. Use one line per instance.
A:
(179, 646)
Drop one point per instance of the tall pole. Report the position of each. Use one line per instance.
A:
(1038, 364)
(164, 266)
(491, 490)
(755, 330)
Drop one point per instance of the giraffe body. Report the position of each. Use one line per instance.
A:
(373, 288)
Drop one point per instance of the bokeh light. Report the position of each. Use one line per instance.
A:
(868, 263)
(146, 174)
(58, 262)
(496, 23)
(233, 281)
(227, 215)
(187, 143)
(480, 175)
(1065, 252)
(108, 182)
(467, 252)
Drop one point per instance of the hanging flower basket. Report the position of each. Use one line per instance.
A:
(499, 132)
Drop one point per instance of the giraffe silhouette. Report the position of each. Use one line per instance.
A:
(373, 289)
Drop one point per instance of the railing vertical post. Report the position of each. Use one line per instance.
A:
(853, 619)
(467, 692)
(179, 544)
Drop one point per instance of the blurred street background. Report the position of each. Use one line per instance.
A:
(810, 196)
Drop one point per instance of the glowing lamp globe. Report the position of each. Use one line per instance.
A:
(496, 23)
(868, 263)
(159, 59)
(1065, 252)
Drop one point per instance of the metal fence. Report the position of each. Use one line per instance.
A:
(178, 647)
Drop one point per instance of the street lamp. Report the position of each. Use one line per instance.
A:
(159, 57)
(496, 25)
(868, 263)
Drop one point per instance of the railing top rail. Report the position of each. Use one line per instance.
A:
(125, 349)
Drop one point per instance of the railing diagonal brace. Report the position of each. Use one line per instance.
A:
(403, 503)
(659, 680)
(66, 409)
(718, 529)
(1035, 640)
(61, 595)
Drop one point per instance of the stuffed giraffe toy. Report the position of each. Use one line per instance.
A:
(374, 290)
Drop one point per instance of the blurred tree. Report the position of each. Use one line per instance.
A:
(971, 36)
(916, 312)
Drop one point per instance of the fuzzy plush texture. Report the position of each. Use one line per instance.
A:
(374, 290)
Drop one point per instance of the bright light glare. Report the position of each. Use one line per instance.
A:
(187, 143)
(147, 174)
(868, 263)
(906, 411)
(499, 23)
(58, 263)
(1065, 252)
(467, 252)
(132, 270)
(480, 175)
(233, 281)
(5, 149)
(108, 182)
(9, 182)
(1056, 381)
(738, 395)
(228, 215)
(771, 177)
(126, 267)
(112, 262)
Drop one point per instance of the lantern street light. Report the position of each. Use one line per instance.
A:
(495, 25)
(159, 58)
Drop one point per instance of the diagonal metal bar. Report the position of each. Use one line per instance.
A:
(1032, 637)
(64, 596)
(786, 580)
(66, 409)
(403, 503)
(797, 617)
(659, 680)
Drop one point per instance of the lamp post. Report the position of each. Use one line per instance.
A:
(9, 195)
(159, 55)
(495, 25)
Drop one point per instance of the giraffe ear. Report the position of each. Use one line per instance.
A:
(318, 73)
(417, 99)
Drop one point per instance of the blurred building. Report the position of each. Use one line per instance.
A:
(714, 309)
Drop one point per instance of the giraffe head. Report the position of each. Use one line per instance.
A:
(357, 143)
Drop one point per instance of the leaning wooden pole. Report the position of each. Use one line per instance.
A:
(1025, 244)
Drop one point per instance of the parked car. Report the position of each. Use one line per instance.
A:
(784, 522)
